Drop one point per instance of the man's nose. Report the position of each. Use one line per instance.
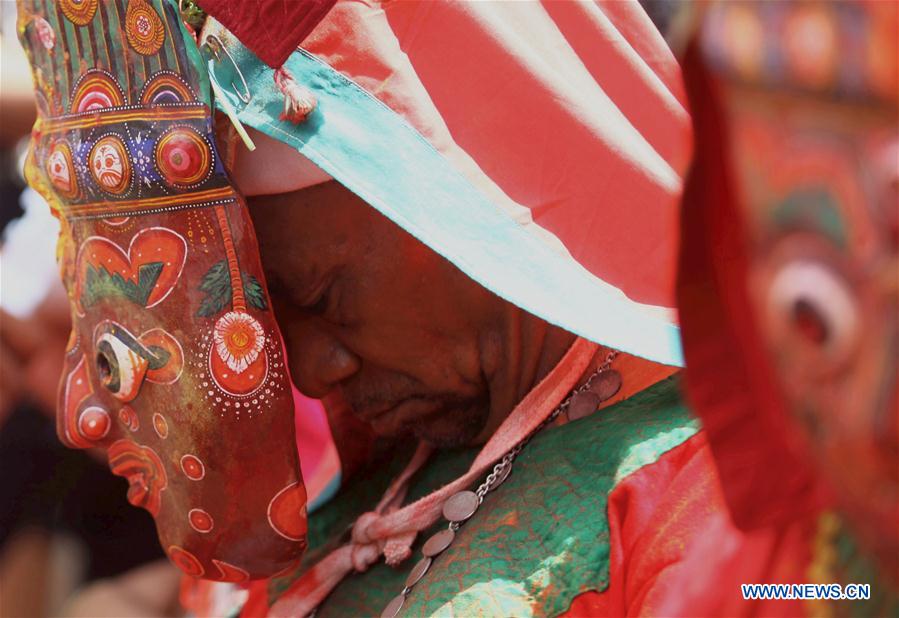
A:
(318, 360)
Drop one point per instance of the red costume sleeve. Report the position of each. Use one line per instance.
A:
(674, 550)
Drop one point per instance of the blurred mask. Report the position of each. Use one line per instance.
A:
(791, 261)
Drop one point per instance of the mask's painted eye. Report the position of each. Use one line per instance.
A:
(120, 367)
(813, 308)
(107, 367)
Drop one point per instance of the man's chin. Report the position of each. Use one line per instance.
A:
(443, 441)
(442, 421)
(440, 424)
(395, 420)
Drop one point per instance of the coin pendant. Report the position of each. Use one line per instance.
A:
(438, 543)
(606, 384)
(460, 506)
(583, 404)
(418, 571)
(393, 608)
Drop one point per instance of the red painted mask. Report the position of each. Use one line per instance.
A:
(175, 365)
(790, 285)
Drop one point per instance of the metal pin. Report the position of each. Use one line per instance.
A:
(216, 47)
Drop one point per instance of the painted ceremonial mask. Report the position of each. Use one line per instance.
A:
(812, 86)
(175, 365)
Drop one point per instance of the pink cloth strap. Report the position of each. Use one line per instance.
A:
(390, 530)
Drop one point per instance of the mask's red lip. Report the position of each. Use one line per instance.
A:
(144, 470)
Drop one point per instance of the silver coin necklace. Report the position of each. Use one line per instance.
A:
(458, 508)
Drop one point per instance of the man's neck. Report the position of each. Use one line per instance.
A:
(529, 348)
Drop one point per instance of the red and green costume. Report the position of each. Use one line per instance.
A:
(594, 519)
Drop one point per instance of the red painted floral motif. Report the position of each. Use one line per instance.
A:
(238, 362)
(238, 340)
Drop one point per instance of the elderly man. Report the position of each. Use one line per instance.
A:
(466, 218)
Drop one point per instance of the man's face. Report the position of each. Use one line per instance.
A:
(367, 309)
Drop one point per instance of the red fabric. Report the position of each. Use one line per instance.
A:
(257, 601)
(729, 381)
(273, 29)
(544, 107)
(675, 552)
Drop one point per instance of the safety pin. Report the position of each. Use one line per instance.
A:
(216, 46)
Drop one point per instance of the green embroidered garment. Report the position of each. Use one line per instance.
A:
(536, 542)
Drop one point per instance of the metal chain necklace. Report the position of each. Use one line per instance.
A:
(461, 506)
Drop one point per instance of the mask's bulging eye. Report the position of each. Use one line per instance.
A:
(121, 366)
(812, 307)
(107, 367)
(123, 362)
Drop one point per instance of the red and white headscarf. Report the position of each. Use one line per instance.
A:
(538, 146)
